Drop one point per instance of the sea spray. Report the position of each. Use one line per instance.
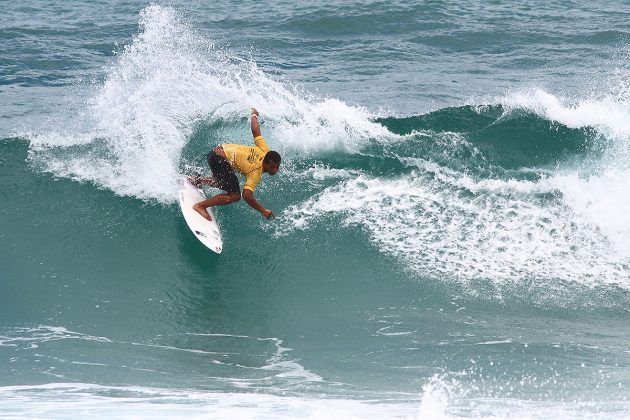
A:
(163, 85)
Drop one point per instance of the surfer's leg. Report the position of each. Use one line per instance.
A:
(223, 178)
(217, 200)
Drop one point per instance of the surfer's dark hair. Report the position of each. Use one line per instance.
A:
(274, 156)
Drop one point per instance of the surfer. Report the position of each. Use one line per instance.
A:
(251, 161)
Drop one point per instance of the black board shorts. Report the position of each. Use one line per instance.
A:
(223, 173)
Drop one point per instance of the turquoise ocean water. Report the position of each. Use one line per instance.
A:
(453, 230)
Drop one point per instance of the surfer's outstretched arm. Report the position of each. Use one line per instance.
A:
(255, 125)
(248, 196)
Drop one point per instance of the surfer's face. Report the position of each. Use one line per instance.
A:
(271, 167)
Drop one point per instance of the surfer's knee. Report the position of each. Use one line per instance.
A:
(235, 197)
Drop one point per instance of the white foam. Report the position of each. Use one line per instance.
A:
(604, 200)
(435, 398)
(33, 337)
(64, 400)
(437, 224)
(319, 172)
(440, 398)
(599, 191)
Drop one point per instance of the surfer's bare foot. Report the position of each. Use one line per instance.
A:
(194, 180)
(209, 182)
(202, 211)
(198, 181)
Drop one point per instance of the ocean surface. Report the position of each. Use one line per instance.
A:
(453, 210)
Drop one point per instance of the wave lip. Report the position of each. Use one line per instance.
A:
(610, 116)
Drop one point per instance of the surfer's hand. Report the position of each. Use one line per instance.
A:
(254, 112)
(268, 214)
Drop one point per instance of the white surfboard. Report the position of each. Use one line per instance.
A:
(205, 230)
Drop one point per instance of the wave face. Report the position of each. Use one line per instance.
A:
(526, 188)
(470, 259)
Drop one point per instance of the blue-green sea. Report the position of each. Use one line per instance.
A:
(453, 210)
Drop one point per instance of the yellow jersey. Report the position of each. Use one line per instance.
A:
(248, 160)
